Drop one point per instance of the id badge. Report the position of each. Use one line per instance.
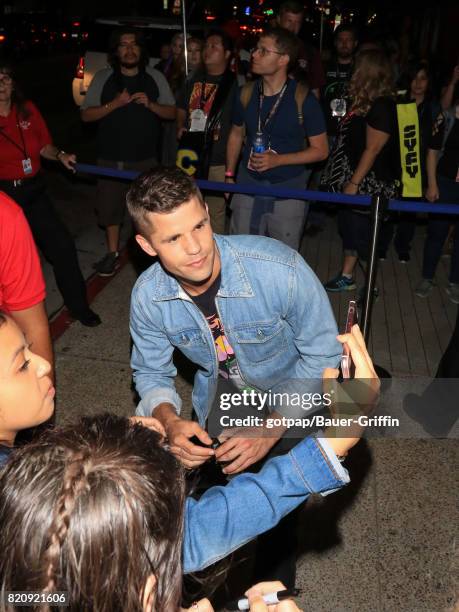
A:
(27, 166)
(198, 120)
(338, 107)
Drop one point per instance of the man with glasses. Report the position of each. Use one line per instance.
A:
(283, 134)
(129, 100)
(204, 120)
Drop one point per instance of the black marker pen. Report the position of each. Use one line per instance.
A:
(270, 599)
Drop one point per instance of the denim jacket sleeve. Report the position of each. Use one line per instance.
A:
(225, 518)
(313, 322)
(151, 360)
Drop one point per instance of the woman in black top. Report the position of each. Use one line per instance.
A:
(365, 158)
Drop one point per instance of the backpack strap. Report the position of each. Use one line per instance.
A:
(301, 92)
(246, 93)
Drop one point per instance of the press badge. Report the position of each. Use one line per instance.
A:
(198, 120)
(27, 166)
(338, 107)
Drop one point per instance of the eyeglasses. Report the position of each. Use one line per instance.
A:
(264, 51)
(6, 79)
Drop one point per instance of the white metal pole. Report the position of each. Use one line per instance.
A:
(185, 46)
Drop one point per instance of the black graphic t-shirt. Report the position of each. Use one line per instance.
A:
(228, 368)
(337, 82)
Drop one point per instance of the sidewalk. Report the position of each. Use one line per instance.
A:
(384, 544)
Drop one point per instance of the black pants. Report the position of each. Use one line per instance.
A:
(53, 239)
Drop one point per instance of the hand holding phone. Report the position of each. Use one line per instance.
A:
(347, 365)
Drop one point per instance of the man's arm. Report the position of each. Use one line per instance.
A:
(225, 518)
(233, 147)
(33, 322)
(315, 152)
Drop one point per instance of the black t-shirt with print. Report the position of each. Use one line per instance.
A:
(200, 91)
(337, 81)
(227, 362)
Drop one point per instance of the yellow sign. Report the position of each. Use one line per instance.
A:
(187, 160)
(408, 130)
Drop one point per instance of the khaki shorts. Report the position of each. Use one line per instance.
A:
(111, 192)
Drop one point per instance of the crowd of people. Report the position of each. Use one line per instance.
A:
(100, 509)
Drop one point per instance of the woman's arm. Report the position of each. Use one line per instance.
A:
(375, 141)
(432, 193)
(51, 152)
(446, 99)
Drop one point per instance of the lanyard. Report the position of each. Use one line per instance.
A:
(23, 148)
(261, 96)
(203, 99)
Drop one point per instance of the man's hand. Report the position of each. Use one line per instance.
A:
(179, 431)
(141, 98)
(121, 99)
(243, 452)
(260, 162)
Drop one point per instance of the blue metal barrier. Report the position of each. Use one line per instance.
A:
(281, 192)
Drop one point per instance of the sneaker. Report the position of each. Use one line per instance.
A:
(404, 258)
(382, 256)
(88, 318)
(340, 283)
(453, 292)
(424, 288)
(108, 265)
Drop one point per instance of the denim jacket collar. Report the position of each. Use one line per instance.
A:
(235, 282)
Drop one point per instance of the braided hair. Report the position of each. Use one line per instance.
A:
(94, 509)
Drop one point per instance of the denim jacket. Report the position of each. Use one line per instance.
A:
(225, 518)
(276, 315)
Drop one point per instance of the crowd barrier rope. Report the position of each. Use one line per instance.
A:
(282, 192)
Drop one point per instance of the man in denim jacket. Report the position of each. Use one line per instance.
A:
(247, 309)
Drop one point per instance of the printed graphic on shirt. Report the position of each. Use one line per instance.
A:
(227, 364)
(202, 97)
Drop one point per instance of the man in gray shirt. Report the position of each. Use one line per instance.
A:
(128, 100)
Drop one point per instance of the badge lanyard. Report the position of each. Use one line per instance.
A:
(272, 112)
(26, 162)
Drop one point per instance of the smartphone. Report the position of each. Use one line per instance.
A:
(347, 365)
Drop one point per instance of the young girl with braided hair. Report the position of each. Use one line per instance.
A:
(98, 509)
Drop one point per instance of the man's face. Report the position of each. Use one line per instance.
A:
(214, 54)
(266, 58)
(291, 21)
(128, 51)
(345, 45)
(183, 241)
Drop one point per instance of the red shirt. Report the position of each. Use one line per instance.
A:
(21, 280)
(21, 138)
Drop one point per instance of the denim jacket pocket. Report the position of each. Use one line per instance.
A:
(260, 342)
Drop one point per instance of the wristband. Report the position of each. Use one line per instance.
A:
(59, 153)
(229, 174)
(352, 183)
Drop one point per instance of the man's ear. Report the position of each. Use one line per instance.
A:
(284, 60)
(145, 245)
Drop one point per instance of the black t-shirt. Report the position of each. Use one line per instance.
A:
(448, 165)
(382, 116)
(337, 78)
(200, 92)
(129, 133)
